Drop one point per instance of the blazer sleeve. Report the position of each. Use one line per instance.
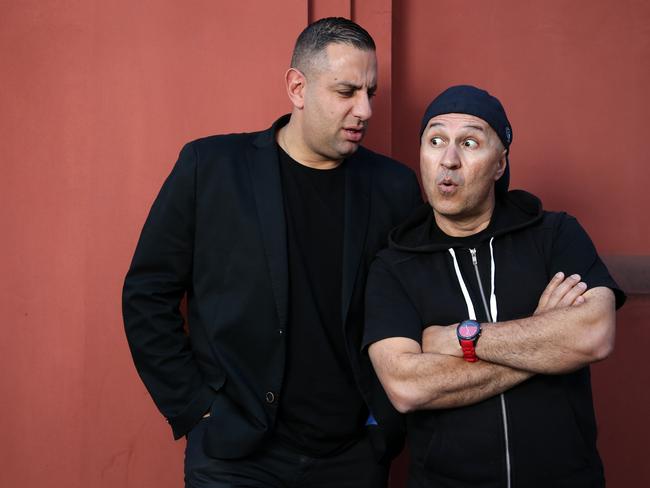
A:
(159, 276)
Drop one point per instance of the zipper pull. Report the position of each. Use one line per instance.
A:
(473, 253)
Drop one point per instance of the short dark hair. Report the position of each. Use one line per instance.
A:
(329, 30)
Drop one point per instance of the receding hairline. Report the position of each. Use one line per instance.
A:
(319, 60)
(311, 45)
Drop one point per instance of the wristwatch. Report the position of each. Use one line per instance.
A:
(468, 332)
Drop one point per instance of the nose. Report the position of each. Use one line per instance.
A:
(451, 158)
(362, 107)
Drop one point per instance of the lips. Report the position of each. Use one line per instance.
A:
(354, 134)
(447, 185)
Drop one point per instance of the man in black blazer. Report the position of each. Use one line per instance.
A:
(269, 236)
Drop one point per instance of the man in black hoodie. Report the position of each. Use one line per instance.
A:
(484, 314)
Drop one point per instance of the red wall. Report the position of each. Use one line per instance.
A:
(97, 98)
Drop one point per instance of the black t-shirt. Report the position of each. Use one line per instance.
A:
(321, 409)
(391, 312)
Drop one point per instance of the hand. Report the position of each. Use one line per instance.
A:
(441, 339)
(561, 292)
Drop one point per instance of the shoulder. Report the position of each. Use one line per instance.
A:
(218, 151)
(553, 220)
(393, 259)
(221, 143)
(383, 165)
(235, 143)
(561, 225)
(392, 182)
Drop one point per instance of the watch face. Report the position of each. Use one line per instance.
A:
(468, 329)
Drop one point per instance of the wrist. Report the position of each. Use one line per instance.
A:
(467, 334)
(454, 349)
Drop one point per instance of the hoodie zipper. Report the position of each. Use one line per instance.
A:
(504, 415)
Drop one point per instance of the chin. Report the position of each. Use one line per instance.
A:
(445, 208)
(446, 203)
(348, 150)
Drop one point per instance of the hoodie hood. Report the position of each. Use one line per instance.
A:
(514, 210)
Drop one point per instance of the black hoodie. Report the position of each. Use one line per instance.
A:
(541, 433)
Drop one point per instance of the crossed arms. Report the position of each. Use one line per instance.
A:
(571, 328)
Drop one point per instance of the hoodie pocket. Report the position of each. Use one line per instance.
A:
(547, 442)
(467, 444)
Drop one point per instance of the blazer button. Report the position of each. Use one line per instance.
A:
(270, 397)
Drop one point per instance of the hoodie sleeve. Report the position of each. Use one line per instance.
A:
(389, 312)
(572, 251)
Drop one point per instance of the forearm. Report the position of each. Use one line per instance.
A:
(556, 341)
(416, 380)
(459, 383)
(161, 350)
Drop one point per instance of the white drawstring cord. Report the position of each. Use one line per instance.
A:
(468, 301)
(493, 295)
(463, 287)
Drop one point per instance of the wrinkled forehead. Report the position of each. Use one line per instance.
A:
(338, 57)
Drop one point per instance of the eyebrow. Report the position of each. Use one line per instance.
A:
(352, 86)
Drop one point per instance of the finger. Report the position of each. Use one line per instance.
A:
(571, 295)
(550, 288)
(579, 301)
(562, 289)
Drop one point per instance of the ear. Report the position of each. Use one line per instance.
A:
(501, 165)
(295, 83)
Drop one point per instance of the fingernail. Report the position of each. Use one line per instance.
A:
(559, 275)
(582, 284)
(575, 276)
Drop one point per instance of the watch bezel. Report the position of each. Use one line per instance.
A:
(473, 336)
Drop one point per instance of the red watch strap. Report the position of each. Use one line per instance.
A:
(469, 353)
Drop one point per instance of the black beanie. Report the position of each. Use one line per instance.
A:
(466, 99)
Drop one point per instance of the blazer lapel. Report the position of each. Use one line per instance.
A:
(267, 189)
(357, 213)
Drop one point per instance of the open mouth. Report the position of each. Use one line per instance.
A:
(447, 186)
(354, 134)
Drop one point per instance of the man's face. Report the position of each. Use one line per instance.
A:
(460, 159)
(337, 101)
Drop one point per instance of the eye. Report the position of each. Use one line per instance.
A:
(371, 93)
(470, 143)
(346, 94)
(436, 141)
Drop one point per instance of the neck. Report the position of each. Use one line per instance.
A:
(293, 143)
(458, 226)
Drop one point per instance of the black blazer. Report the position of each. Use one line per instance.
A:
(217, 233)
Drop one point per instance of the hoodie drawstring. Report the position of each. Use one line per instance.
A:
(493, 296)
(461, 282)
(492, 313)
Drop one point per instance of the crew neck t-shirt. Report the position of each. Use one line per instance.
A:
(321, 410)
